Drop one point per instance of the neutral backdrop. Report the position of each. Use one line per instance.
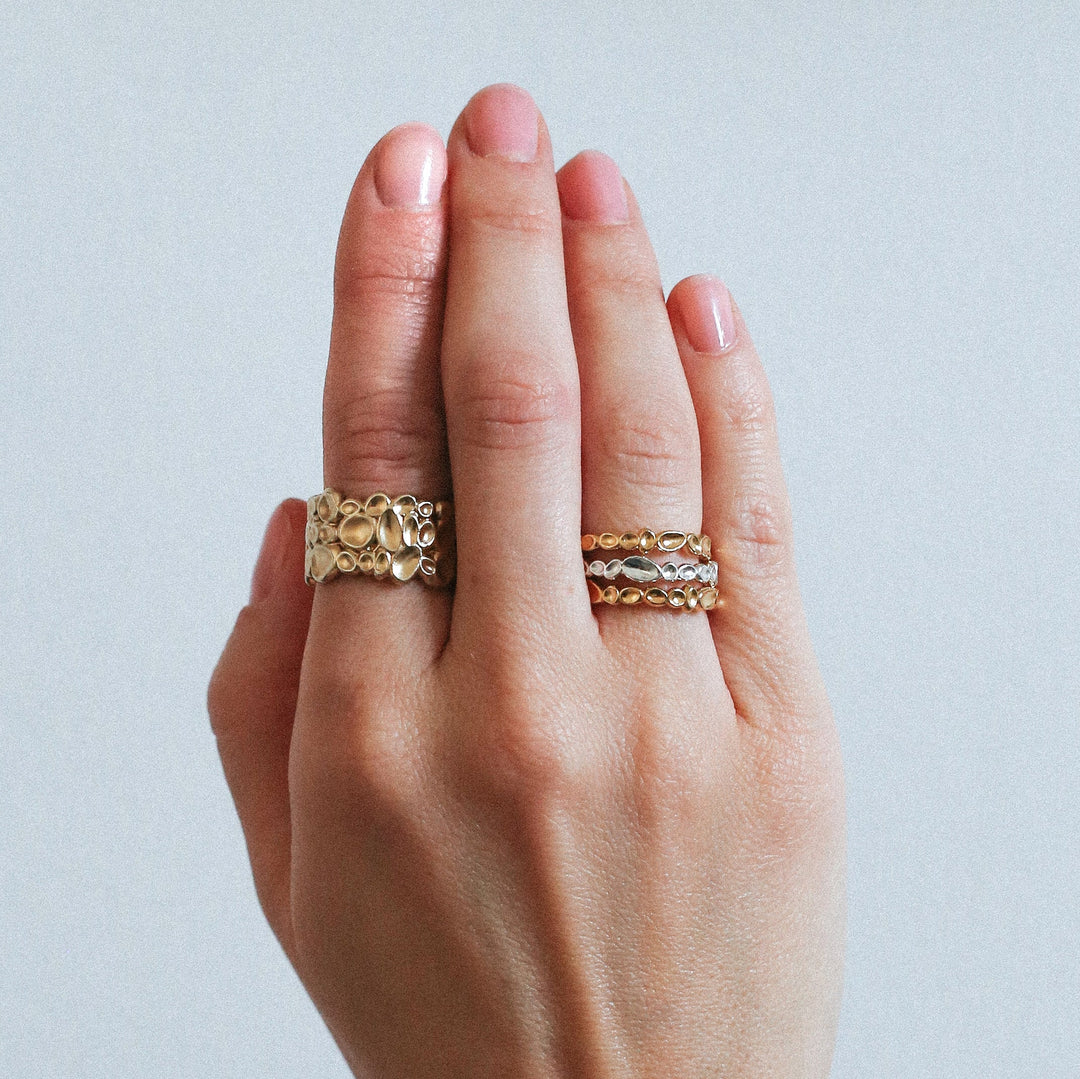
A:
(890, 191)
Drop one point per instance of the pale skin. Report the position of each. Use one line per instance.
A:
(500, 832)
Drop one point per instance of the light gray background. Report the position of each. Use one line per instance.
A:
(890, 191)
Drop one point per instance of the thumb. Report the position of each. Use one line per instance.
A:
(252, 700)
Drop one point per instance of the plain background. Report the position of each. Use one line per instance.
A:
(890, 191)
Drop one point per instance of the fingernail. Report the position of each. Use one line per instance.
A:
(591, 189)
(272, 555)
(410, 168)
(501, 121)
(707, 315)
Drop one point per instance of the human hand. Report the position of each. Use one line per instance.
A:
(503, 832)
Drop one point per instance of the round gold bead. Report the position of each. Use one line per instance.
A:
(349, 507)
(610, 594)
(588, 543)
(708, 598)
(365, 562)
(377, 504)
(657, 597)
(356, 531)
(404, 504)
(607, 541)
(628, 541)
(346, 562)
(425, 509)
(630, 595)
(647, 539)
(311, 534)
(426, 536)
(676, 598)
(322, 565)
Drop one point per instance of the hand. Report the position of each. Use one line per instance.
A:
(503, 832)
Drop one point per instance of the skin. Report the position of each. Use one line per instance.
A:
(497, 831)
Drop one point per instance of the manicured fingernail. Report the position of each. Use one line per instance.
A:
(591, 189)
(272, 555)
(501, 121)
(707, 315)
(410, 168)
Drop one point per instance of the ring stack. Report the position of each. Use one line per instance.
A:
(654, 579)
(380, 536)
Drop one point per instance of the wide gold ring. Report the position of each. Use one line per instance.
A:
(645, 558)
(398, 539)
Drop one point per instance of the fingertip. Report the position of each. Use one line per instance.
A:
(591, 188)
(702, 314)
(280, 563)
(409, 167)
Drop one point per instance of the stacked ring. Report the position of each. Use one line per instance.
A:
(388, 538)
(695, 582)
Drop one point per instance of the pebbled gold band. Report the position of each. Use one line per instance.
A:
(393, 538)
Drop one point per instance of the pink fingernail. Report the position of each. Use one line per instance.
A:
(410, 168)
(707, 315)
(272, 555)
(501, 121)
(591, 189)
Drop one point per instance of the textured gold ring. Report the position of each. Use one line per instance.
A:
(380, 536)
(692, 585)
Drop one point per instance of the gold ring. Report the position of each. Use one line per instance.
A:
(695, 583)
(396, 539)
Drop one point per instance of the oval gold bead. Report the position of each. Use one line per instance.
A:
(389, 530)
(349, 506)
(610, 594)
(425, 509)
(356, 531)
(427, 566)
(404, 504)
(346, 561)
(707, 599)
(588, 543)
(692, 597)
(628, 541)
(670, 541)
(410, 530)
(382, 562)
(377, 504)
(676, 598)
(311, 533)
(693, 541)
(595, 596)
(706, 547)
(656, 596)
(323, 564)
(630, 595)
(405, 563)
(607, 541)
(313, 505)
(425, 537)
(647, 539)
(327, 505)
(365, 562)
(327, 534)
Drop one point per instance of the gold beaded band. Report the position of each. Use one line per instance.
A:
(394, 538)
(689, 598)
(694, 583)
(645, 540)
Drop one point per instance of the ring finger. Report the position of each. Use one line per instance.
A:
(640, 457)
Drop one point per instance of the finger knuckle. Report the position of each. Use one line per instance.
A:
(652, 450)
(758, 532)
(507, 405)
(630, 277)
(520, 216)
(746, 398)
(406, 271)
(385, 432)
